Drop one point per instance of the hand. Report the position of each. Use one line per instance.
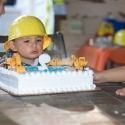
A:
(97, 75)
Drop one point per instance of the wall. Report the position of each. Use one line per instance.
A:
(38, 8)
(88, 15)
(6, 19)
(22, 7)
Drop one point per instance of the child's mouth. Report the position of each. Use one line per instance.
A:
(34, 52)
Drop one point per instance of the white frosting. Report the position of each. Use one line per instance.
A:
(30, 83)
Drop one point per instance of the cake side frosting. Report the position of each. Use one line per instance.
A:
(46, 82)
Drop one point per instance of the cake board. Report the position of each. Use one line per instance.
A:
(45, 93)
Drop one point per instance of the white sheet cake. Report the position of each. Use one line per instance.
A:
(36, 82)
(59, 79)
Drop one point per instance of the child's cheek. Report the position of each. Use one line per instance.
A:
(24, 49)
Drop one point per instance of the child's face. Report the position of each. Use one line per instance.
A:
(29, 47)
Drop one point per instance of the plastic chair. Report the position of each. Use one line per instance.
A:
(95, 56)
(2, 40)
(57, 48)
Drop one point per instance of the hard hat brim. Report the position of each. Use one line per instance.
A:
(6, 46)
(47, 41)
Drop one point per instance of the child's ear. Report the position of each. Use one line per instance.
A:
(12, 46)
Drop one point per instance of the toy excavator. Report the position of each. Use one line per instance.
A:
(79, 63)
(15, 61)
(58, 62)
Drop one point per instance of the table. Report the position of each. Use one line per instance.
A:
(101, 107)
(98, 57)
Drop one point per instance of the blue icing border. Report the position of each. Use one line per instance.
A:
(50, 68)
(31, 68)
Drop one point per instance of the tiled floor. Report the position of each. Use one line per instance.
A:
(101, 107)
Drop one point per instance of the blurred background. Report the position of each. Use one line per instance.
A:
(89, 27)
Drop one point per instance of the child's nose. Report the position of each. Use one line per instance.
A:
(34, 43)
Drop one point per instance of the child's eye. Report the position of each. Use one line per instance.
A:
(39, 40)
(26, 41)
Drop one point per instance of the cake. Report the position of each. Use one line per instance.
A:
(54, 79)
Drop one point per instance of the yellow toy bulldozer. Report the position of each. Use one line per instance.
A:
(15, 62)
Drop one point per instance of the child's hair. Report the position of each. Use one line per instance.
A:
(27, 25)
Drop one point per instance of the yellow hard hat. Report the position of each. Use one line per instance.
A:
(27, 25)
(105, 29)
(119, 38)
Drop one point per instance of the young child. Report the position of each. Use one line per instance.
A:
(111, 75)
(28, 38)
